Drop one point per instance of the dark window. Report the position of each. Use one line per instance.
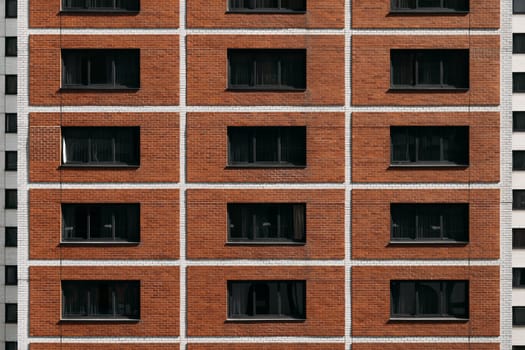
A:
(101, 5)
(10, 8)
(429, 299)
(11, 234)
(101, 299)
(103, 146)
(518, 160)
(267, 222)
(11, 313)
(101, 69)
(10, 160)
(429, 145)
(518, 347)
(267, 146)
(518, 238)
(100, 222)
(518, 315)
(10, 123)
(267, 6)
(267, 69)
(10, 46)
(10, 199)
(518, 43)
(11, 278)
(430, 222)
(518, 121)
(11, 345)
(518, 199)
(430, 5)
(429, 69)
(518, 6)
(10, 84)
(518, 277)
(518, 82)
(267, 299)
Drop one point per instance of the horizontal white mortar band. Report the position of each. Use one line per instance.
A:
(256, 109)
(257, 31)
(263, 186)
(264, 262)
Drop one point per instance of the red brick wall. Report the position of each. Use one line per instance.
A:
(153, 14)
(159, 301)
(207, 301)
(207, 235)
(208, 74)
(371, 147)
(207, 147)
(371, 301)
(371, 225)
(159, 147)
(376, 14)
(425, 346)
(251, 346)
(213, 14)
(371, 70)
(119, 346)
(159, 224)
(159, 70)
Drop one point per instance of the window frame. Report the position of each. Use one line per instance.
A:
(280, 55)
(442, 314)
(300, 317)
(90, 134)
(515, 310)
(416, 209)
(11, 345)
(291, 133)
(419, 133)
(282, 238)
(133, 209)
(516, 116)
(279, 9)
(9, 129)
(11, 9)
(10, 312)
(514, 11)
(86, 8)
(11, 84)
(111, 56)
(518, 82)
(518, 277)
(8, 193)
(518, 204)
(89, 302)
(11, 275)
(428, 10)
(440, 55)
(9, 231)
(11, 165)
(9, 46)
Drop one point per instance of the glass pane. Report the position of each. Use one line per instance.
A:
(518, 160)
(429, 222)
(127, 68)
(74, 4)
(402, 68)
(293, 145)
(429, 147)
(11, 236)
(518, 82)
(100, 70)
(11, 9)
(428, 298)
(518, 199)
(10, 84)
(10, 123)
(518, 238)
(518, 43)
(74, 222)
(403, 298)
(403, 221)
(429, 3)
(518, 121)
(428, 69)
(76, 143)
(293, 70)
(456, 296)
(266, 145)
(240, 142)
(295, 5)
(241, 69)
(109, 4)
(267, 4)
(10, 46)
(456, 68)
(518, 6)
(102, 146)
(267, 70)
(455, 222)
(456, 5)
(403, 4)
(266, 223)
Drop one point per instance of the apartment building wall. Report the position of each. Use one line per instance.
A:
(184, 109)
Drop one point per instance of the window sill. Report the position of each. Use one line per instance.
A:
(99, 320)
(427, 89)
(262, 166)
(429, 242)
(98, 243)
(428, 319)
(259, 243)
(428, 165)
(434, 12)
(266, 12)
(98, 88)
(98, 11)
(265, 89)
(265, 319)
(99, 166)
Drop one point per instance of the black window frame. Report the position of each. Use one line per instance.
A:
(518, 82)
(516, 9)
(404, 65)
(11, 236)
(518, 121)
(11, 195)
(294, 58)
(117, 139)
(253, 213)
(11, 313)
(91, 6)
(417, 8)
(11, 84)
(11, 9)
(518, 277)
(284, 138)
(251, 6)
(419, 142)
(518, 43)
(11, 275)
(11, 48)
(416, 288)
(413, 214)
(79, 62)
(93, 214)
(267, 300)
(88, 309)
(11, 345)
(11, 124)
(518, 315)
(518, 160)
(11, 160)
(518, 199)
